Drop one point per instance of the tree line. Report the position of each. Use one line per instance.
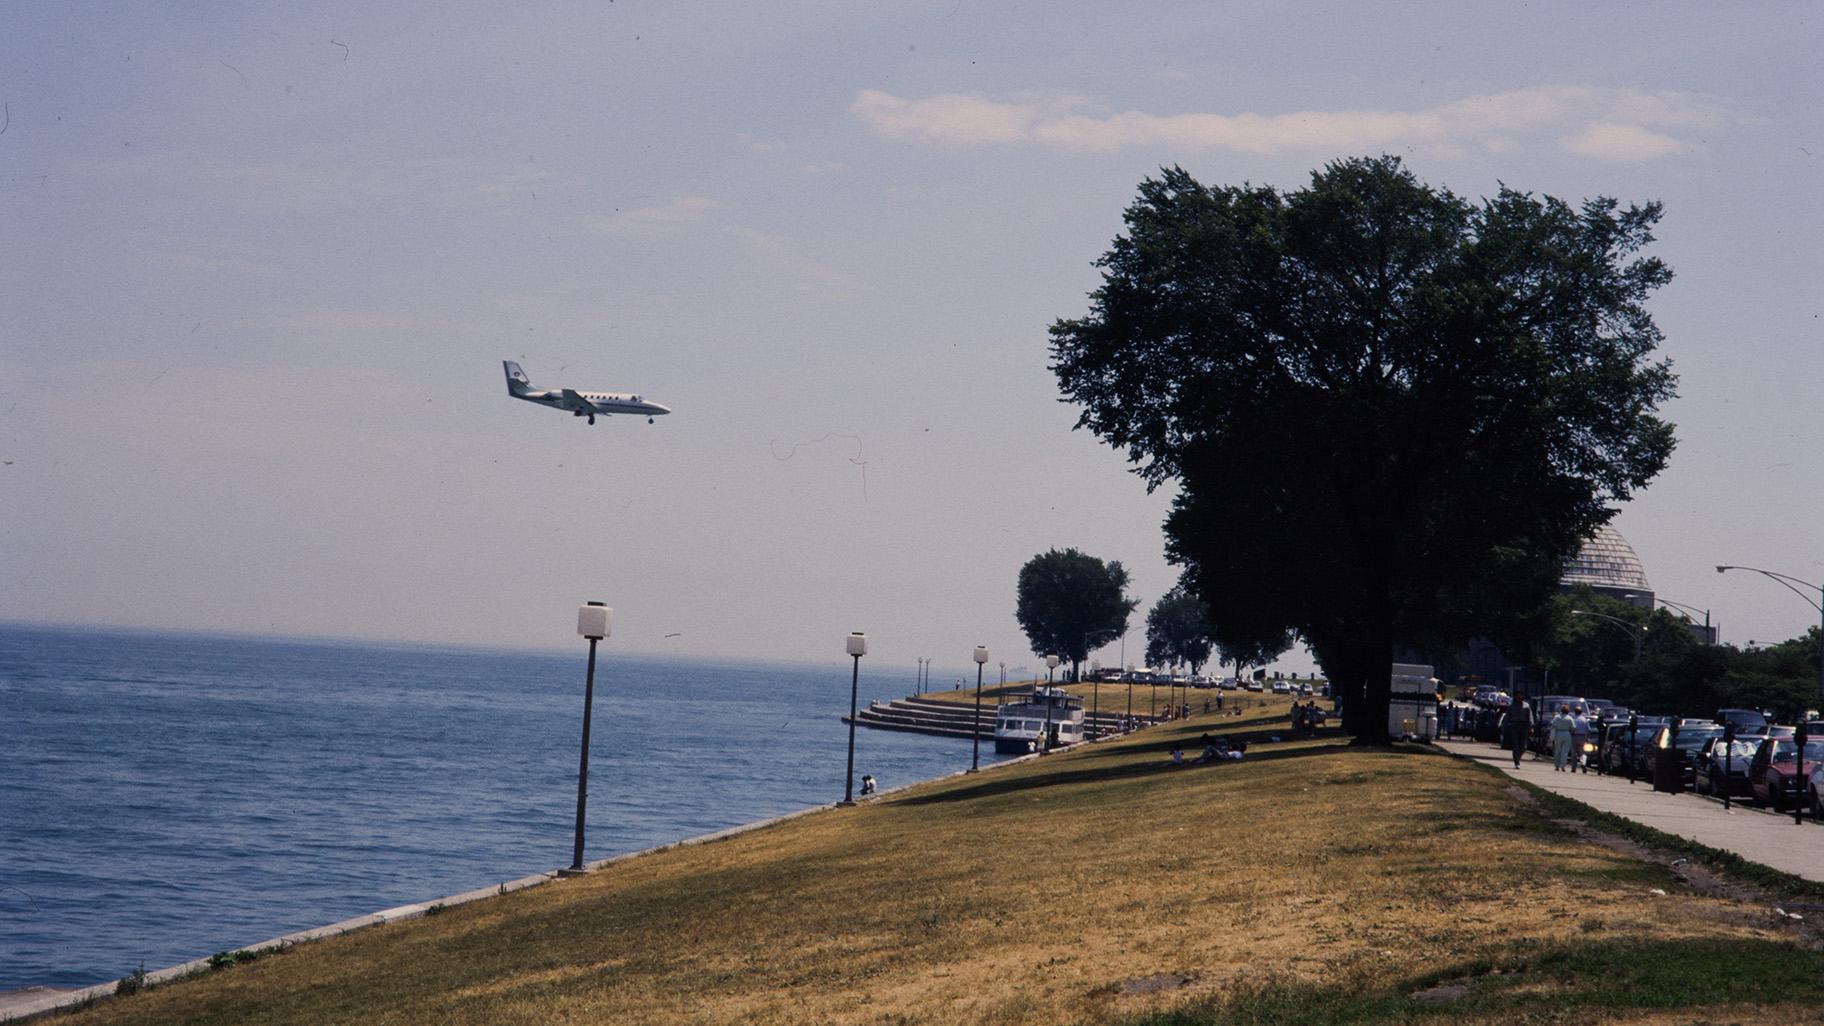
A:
(1071, 604)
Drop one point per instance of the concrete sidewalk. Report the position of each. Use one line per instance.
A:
(1758, 835)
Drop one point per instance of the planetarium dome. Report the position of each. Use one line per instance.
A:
(1607, 563)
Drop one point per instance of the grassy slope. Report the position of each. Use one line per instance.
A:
(1312, 883)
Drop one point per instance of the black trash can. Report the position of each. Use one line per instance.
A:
(1668, 770)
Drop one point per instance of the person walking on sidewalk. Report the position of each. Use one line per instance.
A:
(1561, 738)
(1516, 728)
(1580, 739)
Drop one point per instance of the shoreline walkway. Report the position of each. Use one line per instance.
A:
(1758, 835)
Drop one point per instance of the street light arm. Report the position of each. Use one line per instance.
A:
(1684, 609)
(1630, 625)
(1785, 582)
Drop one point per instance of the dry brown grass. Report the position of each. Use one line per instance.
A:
(1093, 886)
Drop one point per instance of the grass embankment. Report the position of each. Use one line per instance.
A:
(1312, 883)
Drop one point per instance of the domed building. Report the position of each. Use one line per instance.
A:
(1607, 564)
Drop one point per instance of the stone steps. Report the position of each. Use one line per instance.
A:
(956, 719)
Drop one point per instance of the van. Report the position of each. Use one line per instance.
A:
(1747, 721)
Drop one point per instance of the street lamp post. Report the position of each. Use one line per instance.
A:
(1636, 630)
(1816, 604)
(981, 660)
(1684, 611)
(594, 621)
(857, 647)
(1095, 690)
(1051, 664)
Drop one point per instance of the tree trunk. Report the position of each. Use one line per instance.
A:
(1377, 688)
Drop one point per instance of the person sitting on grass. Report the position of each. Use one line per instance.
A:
(867, 783)
(1177, 756)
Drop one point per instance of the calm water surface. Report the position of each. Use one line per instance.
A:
(165, 796)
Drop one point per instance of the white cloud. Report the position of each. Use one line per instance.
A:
(954, 119)
(1608, 141)
(1607, 124)
(665, 217)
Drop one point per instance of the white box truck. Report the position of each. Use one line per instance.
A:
(1412, 707)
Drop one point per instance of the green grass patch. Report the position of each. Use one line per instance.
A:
(1591, 976)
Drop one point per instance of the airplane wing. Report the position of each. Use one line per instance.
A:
(572, 400)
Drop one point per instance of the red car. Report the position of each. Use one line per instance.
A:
(1774, 778)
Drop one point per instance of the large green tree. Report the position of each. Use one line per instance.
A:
(1391, 413)
(1072, 604)
(1177, 631)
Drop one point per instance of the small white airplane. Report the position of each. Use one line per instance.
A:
(580, 404)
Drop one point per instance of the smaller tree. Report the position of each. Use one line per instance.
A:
(1177, 631)
(1072, 604)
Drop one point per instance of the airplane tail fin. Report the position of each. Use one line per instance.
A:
(517, 381)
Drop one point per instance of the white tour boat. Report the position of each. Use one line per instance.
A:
(1020, 725)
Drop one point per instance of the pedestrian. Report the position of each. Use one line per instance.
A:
(1516, 728)
(1580, 738)
(1561, 738)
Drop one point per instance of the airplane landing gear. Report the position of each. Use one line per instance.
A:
(592, 418)
(649, 420)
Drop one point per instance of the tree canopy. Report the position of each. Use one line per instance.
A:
(1072, 604)
(1391, 413)
(1177, 633)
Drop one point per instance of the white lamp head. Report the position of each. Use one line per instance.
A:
(595, 621)
(981, 655)
(858, 643)
(1052, 661)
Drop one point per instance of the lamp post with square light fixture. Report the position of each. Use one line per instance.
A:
(594, 621)
(981, 660)
(857, 647)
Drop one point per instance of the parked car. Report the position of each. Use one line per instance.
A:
(1747, 721)
(1778, 775)
(1689, 737)
(1615, 752)
(1490, 697)
(1723, 770)
(1814, 787)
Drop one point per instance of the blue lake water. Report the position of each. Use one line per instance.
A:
(164, 796)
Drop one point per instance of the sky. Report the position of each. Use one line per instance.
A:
(261, 264)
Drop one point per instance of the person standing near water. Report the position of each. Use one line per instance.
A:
(1561, 737)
